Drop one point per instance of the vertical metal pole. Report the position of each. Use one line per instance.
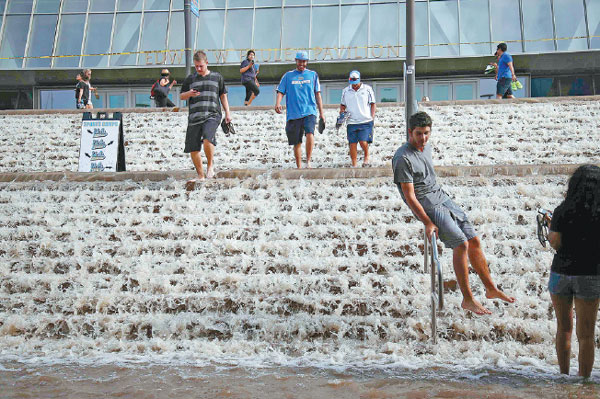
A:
(187, 17)
(409, 78)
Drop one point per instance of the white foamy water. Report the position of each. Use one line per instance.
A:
(484, 134)
(262, 272)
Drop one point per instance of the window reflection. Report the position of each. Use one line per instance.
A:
(570, 22)
(70, 38)
(506, 24)
(57, 99)
(295, 29)
(537, 24)
(154, 37)
(354, 27)
(444, 28)
(593, 13)
(97, 39)
(19, 6)
(75, 5)
(208, 4)
(42, 39)
(210, 34)
(240, 3)
(127, 30)
(384, 24)
(324, 27)
(130, 5)
(157, 5)
(265, 37)
(177, 35)
(474, 27)
(102, 5)
(14, 40)
(238, 34)
(2, 5)
(267, 3)
(47, 6)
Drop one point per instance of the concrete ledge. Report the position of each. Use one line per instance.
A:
(531, 100)
(292, 174)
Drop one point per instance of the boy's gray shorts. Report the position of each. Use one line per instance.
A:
(453, 225)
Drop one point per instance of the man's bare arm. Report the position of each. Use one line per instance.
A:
(408, 189)
(512, 71)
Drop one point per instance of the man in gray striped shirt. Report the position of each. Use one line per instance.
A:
(205, 92)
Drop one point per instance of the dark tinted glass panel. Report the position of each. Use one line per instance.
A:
(157, 5)
(47, 6)
(16, 100)
(537, 23)
(75, 5)
(576, 86)
(14, 40)
(19, 6)
(474, 27)
(125, 39)
(570, 25)
(70, 39)
(130, 5)
(41, 40)
(97, 39)
(154, 36)
(544, 87)
(102, 5)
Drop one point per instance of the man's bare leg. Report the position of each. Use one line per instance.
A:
(209, 151)
(479, 263)
(461, 269)
(197, 161)
(310, 143)
(298, 155)
(353, 154)
(365, 147)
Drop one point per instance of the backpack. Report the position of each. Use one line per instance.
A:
(152, 90)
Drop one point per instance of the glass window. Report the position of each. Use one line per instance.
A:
(387, 94)
(474, 28)
(178, 5)
(57, 99)
(19, 6)
(240, 3)
(42, 39)
(236, 95)
(570, 22)
(593, 13)
(142, 100)
(130, 5)
(327, 2)
(353, 1)
(537, 23)
(116, 100)
(544, 87)
(384, 25)
(296, 2)
(576, 86)
(325, 24)
(100, 101)
(464, 91)
(266, 96)
(69, 41)
(157, 5)
(177, 36)
(443, 27)
(154, 36)
(47, 6)
(419, 91)
(211, 4)
(238, 34)
(102, 5)
(334, 95)
(2, 5)
(210, 34)
(127, 31)
(97, 40)
(75, 5)
(15, 38)
(355, 29)
(295, 30)
(439, 92)
(265, 37)
(268, 3)
(487, 88)
(421, 30)
(506, 24)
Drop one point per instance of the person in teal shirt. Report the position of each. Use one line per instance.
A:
(303, 97)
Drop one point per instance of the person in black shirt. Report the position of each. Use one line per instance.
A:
(203, 89)
(83, 90)
(161, 90)
(575, 272)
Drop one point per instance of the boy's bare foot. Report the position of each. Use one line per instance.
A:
(308, 165)
(474, 306)
(497, 294)
(210, 173)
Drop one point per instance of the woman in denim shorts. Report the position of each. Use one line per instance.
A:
(575, 274)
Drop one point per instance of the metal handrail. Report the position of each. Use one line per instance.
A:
(430, 254)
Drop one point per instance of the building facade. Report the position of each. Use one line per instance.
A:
(44, 43)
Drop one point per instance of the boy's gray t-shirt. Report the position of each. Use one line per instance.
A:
(413, 166)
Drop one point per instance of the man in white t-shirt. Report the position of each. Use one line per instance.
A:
(358, 100)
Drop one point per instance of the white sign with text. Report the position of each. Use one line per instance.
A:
(99, 145)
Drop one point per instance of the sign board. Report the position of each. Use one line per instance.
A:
(194, 7)
(101, 146)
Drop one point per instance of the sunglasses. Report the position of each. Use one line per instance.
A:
(354, 79)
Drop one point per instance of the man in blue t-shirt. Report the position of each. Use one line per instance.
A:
(303, 96)
(505, 72)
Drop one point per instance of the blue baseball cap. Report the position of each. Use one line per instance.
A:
(354, 77)
(302, 55)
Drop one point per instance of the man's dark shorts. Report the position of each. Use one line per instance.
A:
(296, 128)
(503, 87)
(195, 134)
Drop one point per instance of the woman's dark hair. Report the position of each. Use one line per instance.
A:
(250, 52)
(583, 193)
